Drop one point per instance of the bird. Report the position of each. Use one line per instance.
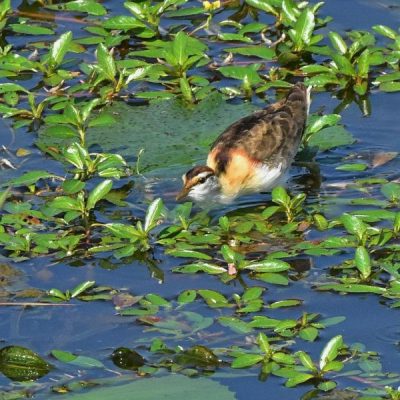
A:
(252, 154)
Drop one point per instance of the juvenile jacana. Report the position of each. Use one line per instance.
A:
(252, 154)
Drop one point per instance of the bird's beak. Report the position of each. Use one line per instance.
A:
(183, 193)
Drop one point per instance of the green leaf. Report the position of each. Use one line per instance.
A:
(280, 196)
(352, 167)
(343, 64)
(79, 361)
(327, 386)
(198, 356)
(63, 356)
(390, 86)
(22, 364)
(84, 6)
(299, 378)
(363, 262)
(186, 89)
(269, 211)
(391, 191)
(262, 5)
(61, 132)
(59, 49)
(318, 122)
(248, 72)
(331, 137)
(306, 360)
(289, 7)
(353, 225)
(102, 120)
(179, 46)
(76, 155)
(268, 265)
(246, 360)
(153, 214)
(385, 31)
(363, 64)
(275, 279)
(230, 256)
(334, 366)
(253, 293)
(188, 254)
(322, 80)
(283, 358)
(106, 62)
(213, 298)
(262, 341)
(236, 324)
(304, 27)
(157, 300)
(330, 351)
(76, 291)
(65, 203)
(310, 333)
(29, 178)
(98, 193)
(285, 303)
(265, 53)
(124, 23)
(338, 43)
(211, 269)
(11, 87)
(187, 296)
(57, 293)
(353, 288)
(171, 387)
(28, 29)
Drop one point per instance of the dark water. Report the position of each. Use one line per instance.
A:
(93, 329)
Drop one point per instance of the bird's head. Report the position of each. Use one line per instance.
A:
(200, 184)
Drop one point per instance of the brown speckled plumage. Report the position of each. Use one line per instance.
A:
(270, 135)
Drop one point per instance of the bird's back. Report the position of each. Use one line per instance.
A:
(267, 138)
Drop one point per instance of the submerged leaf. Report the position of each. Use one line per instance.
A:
(21, 364)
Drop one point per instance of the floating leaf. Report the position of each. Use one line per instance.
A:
(246, 360)
(126, 358)
(253, 51)
(331, 137)
(80, 361)
(171, 387)
(124, 23)
(268, 265)
(21, 364)
(201, 267)
(188, 254)
(198, 356)
(29, 178)
(213, 298)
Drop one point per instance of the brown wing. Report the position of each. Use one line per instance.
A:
(270, 135)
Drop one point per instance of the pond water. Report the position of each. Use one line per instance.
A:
(174, 138)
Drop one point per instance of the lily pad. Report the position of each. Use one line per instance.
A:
(170, 133)
(171, 387)
(331, 137)
(21, 364)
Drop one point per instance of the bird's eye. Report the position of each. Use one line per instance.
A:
(202, 180)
